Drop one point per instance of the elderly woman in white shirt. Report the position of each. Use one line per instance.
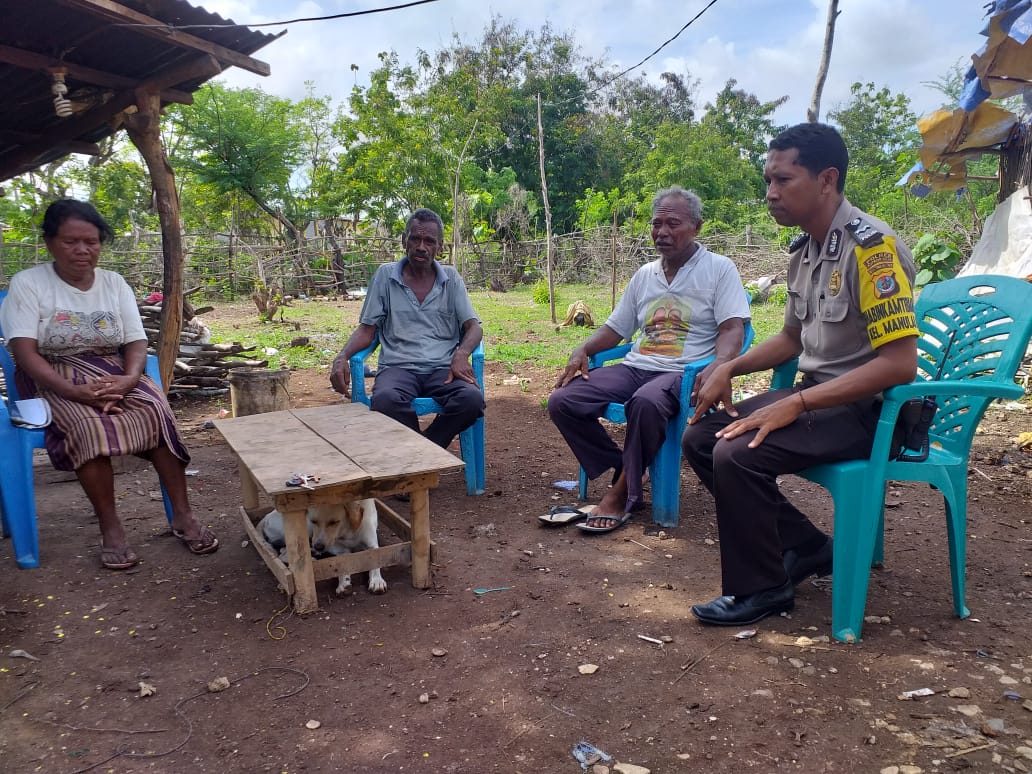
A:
(76, 335)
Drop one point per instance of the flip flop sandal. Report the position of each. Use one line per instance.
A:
(114, 559)
(207, 543)
(561, 515)
(612, 523)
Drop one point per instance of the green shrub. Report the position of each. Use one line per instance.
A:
(778, 294)
(539, 292)
(937, 259)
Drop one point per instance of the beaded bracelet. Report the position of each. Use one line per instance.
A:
(809, 414)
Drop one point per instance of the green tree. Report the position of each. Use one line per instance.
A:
(700, 158)
(746, 122)
(394, 160)
(880, 131)
(245, 142)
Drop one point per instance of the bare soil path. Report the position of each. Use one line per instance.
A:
(499, 672)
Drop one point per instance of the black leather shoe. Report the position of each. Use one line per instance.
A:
(799, 567)
(738, 611)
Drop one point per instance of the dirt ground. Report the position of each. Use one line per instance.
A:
(446, 680)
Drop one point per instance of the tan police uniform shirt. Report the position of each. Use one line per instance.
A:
(849, 294)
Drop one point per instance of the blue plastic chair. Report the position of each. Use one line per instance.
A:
(974, 332)
(665, 469)
(17, 488)
(471, 440)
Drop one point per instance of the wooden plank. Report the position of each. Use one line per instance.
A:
(299, 559)
(248, 487)
(268, 554)
(421, 539)
(393, 521)
(379, 445)
(73, 128)
(154, 28)
(363, 561)
(276, 445)
(33, 61)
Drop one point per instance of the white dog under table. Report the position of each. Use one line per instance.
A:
(350, 453)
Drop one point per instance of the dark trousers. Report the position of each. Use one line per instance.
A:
(462, 403)
(650, 399)
(755, 521)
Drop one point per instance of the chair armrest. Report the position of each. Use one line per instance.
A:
(7, 363)
(692, 370)
(783, 376)
(977, 388)
(357, 364)
(478, 364)
(153, 369)
(607, 355)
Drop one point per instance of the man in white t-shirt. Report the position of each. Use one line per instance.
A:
(687, 305)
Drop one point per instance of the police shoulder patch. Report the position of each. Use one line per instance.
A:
(798, 242)
(863, 232)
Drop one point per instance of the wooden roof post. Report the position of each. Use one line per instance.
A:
(144, 129)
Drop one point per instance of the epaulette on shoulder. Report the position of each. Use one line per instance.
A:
(863, 232)
(798, 242)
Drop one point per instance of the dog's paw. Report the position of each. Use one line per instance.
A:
(377, 585)
(343, 585)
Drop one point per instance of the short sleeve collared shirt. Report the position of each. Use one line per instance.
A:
(850, 294)
(419, 336)
(677, 322)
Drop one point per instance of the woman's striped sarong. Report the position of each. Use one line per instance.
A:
(79, 433)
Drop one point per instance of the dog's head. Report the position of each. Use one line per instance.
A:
(332, 522)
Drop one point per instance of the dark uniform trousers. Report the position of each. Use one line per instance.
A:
(756, 523)
(462, 403)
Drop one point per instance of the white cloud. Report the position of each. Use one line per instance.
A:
(771, 47)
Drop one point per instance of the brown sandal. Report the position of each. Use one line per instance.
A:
(207, 543)
(118, 559)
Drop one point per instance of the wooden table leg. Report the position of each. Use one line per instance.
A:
(299, 557)
(248, 487)
(420, 505)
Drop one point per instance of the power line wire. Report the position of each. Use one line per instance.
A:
(663, 45)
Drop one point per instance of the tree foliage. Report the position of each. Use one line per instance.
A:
(455, 129)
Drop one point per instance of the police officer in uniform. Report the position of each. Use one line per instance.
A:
(850, 321)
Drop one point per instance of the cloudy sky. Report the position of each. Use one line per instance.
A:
(770, 46)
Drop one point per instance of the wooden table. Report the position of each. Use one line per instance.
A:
(355, 453)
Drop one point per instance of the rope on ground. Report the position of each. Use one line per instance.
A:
(125, 752)
(279, 627)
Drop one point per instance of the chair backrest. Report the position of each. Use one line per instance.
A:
(971, 328)
(7, 362)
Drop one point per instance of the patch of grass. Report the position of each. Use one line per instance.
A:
(517, 330)
(325, 323)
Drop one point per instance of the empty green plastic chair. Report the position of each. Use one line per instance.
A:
(974, 333)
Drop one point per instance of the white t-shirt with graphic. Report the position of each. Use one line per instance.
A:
(67, 321)
(678, 321)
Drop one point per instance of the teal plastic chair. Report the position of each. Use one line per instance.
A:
(665, 470)
(974, 333)
(17, 488)
(471, 440)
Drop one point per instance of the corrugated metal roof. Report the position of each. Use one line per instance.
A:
(109, 49)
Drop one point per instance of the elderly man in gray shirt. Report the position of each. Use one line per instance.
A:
(428, 329)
